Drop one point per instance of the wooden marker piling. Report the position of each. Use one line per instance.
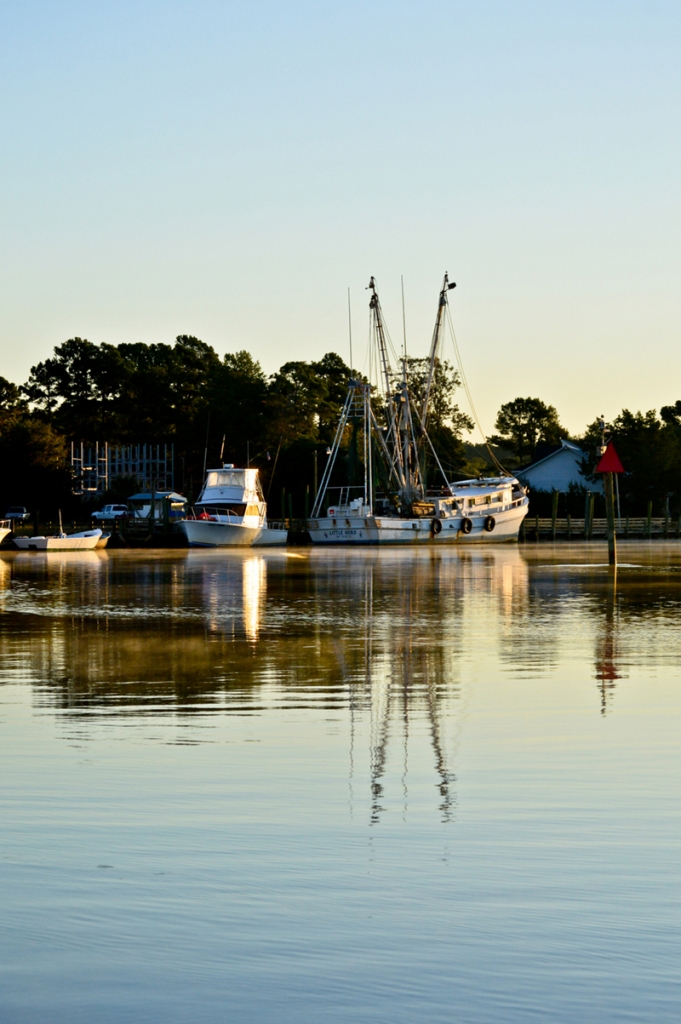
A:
(609, 465)
(610, 515)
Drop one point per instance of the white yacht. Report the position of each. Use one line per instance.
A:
(394, 504)
(5, 529)
(231, 512)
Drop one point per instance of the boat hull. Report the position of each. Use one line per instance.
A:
(80, 542)
(4, 532)
(205, 533)
(388, 530)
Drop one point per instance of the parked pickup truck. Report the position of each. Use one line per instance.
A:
(111, 512)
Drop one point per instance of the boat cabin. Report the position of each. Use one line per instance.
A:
(233, 493)
(489, 494)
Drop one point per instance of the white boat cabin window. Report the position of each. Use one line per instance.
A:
(252, 510)
(225, 480)
(485, 499)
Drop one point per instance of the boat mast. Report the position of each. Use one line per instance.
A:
(435, 348)
(392, 412)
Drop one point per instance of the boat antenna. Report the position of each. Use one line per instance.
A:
(404, 320)
(274, 469)
(350, 327)
(205, 450)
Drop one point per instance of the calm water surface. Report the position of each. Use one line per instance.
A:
(340, 786)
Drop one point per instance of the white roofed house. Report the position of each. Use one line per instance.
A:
(558, 471)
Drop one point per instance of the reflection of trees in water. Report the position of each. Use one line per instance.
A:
(383, 632)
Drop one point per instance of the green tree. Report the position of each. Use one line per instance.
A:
(34, 465)
(237, 401)
(305, 398)
(79, 387)
(446, 422)
(650, 450)
(11, 404)
(526, 422)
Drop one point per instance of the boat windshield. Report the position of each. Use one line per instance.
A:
(226, 478)
(224, 508)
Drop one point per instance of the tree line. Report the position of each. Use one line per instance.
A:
(206, 405)
(648, 443)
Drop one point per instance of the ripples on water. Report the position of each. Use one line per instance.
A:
(340, 785)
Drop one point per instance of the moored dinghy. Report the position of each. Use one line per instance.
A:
(85, 541)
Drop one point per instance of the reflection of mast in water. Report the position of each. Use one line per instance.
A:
(380, 729)
(607, 671)
(398, 684)
(382, 700)
(440, 757)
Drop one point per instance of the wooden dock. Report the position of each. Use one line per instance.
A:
(642, 527)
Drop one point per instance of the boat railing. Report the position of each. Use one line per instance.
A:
(216, 513)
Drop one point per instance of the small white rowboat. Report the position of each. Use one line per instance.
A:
(85, 541)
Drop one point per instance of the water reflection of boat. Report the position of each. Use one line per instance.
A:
(231, 512)
(389, 451)
(234, 592)
(54, 559)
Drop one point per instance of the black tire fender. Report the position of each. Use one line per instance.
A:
(490, 523)
(466, 525)
(436, 526)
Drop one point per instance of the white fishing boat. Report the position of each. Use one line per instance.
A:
(394, 505)
(87, 540)
(231, 512)
(5, 529)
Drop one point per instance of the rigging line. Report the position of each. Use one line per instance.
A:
(470, 397)
(330, 462)
(350, 328)
(386, 334)
(432, 448)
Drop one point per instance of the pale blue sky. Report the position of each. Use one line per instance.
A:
(229, 169)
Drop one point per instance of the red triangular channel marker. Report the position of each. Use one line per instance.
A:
(610, 461)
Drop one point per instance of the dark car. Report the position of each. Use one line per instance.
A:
(17, 512)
